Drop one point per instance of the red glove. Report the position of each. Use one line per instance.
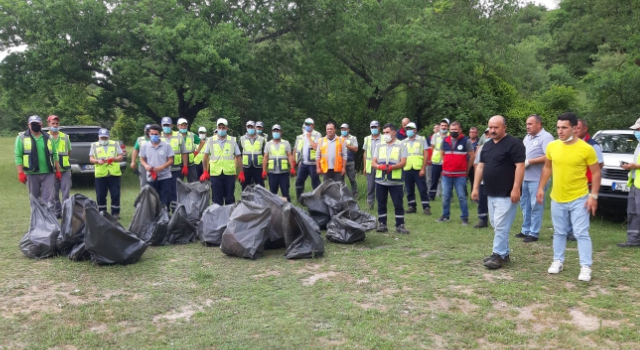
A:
(185, 170)
(293, 172)
(58, 175)
(205, 176)
(264, 174)
(241, 177)
(389, 169)
(195, 153)
(154, 175)
(22, 177)
(382, 167)
(109, 161)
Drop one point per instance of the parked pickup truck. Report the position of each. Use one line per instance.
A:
(81, 138)
(617, 146)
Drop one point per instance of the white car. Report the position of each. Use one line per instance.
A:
(617, 146)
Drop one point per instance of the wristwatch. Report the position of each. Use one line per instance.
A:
(594, 196)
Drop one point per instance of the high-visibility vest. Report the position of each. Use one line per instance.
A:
(62, 146)
(278, 161)
(390, 158)
(368, 149)
(198, 159)
(175, 141)
(455, 160)
(415, 153)
(350, 140)
(104, 170)
(324, 154)
(636, 173)
(189, 146)
(222, 160)
(436, 158)
(29, 160)
(300, 145)
(252, 153)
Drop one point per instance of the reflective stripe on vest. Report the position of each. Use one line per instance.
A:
(415, 153)
(390, 158)
(222, 160)
(278, 161)
(368, 146)
(455, 157)
(63, 144)
(351, 155)
(300, 146)
(104, 170)
(436, 158)
(252, 154)
(636, 173)
(175, 140)
(28, 163)
(324, 155)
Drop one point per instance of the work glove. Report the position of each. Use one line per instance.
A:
(109, 161)
(185, 170)
(205, 176)
(195, 153)
(58, 175)
(264, 174)
(382, 167)
(292, 172)
(389, 169)
(22, 177)
(154, 175)
(241, 177)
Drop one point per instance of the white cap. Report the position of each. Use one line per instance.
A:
(374, 123)
(276, 127)
(309, 121)
(345, 125)
(635, 126)
(411, 125)
(202, 129)
(251, 123)
(222, 121)
(182, 121)
(446, 120)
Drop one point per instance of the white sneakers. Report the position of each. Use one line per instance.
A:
(557, 266)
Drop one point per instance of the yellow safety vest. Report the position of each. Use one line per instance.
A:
(222, 160)
(436, 157)
(636, 172)
(62, 146)
(198, 159)
(104, 170)
(368, 146)
(175, 141)
(252, 154)
(190, 146)
(28, 161)
(415, 153)
(300, 145)
(390, 158)
(278, 161)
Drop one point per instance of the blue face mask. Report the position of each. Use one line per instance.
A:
(52, 129)
(166, 129)
(344, 133)
(251, 131)
(410, 133)
(637, 135)
(154, 138)
(183, 131)
(259, 131)
(276, 135)
(374, 131)
(307, 128)
(222, 133)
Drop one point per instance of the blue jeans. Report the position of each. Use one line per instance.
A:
(501, 214)
(568, 216)
(531, 210)
(460, 184)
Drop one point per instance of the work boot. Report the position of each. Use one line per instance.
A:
(402, 229)
(411, 210)
(481, 224)
(427, 211)
(382, 228)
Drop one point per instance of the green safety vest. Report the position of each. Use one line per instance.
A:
(392, 158)
(175, 141)
(63, 144)
(222, 160)
(29, 162)
(636, 173)
(415, 153)
(278, 161)
(368, 145)
(104, 170)
(252, 152)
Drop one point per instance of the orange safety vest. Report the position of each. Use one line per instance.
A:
(324, 161)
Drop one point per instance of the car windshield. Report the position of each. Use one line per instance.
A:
(617, 143)
(82, 136)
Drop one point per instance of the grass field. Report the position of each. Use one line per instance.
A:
(423, 290)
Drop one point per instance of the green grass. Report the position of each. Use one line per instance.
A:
(423, 290)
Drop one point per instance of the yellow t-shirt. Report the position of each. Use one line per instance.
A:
(569, 164)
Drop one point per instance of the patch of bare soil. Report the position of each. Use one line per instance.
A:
(442, 304)
(184, 312)
(269, 273)
(311, 280)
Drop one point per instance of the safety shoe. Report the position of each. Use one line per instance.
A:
(555, 267)
(571, 238)
(530, 238)
(628, 245)
(116, 217)
(520, 235)
(465, 222)
(371, 205)
(402, 229)
(495, 261)
(481, 224)
(505, 260)
(585, 274)
(382, 228)
(442, 219)
(427, 211)
(411, 210)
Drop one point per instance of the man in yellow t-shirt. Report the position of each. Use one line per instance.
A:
(568, 159)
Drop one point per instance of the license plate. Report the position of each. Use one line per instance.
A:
(88, 167)
(620, 186)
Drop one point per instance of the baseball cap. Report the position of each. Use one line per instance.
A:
(636, 125)
(374, 123)
(182, 121)
(345, 125)
(202, 129)
(446, 120)
(411, 125)
(147, 127)
(276, 127)
(259, 124)
(34, 119)
(222, 121)
(52, 117)
(251, 123)
(309, 121)
(166, 121)
(487, 129)
(103, 133)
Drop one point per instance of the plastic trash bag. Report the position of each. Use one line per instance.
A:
(247, 230)
(73, 223)
(195, 197)
(327, 200)
(304, 240)
(79, 253)
(40, 241)
(180, 229)
(280, 213)
(350, 226)
(150, 219)
(213, 223)
(109, 243)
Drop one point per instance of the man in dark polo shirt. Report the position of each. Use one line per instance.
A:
(502, 169)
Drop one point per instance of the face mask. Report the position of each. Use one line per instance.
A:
(259, 131)
(52, 129)
(410, 133)
(154, 138)
(35, 127)
(637, 135)
(183, 131)
(567, 140)
(251, 131)
(307, 128)
(374, 131)
(203, 136)
(443, 131)
(166, 129)
(455, 134)
(387, 138)
(103, 142)
(276, 135)
(222, 133)
(344, 133)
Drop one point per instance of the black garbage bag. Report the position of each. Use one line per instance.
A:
(212, 224)
(109, 243)
(327, 200)
(280, 213)
(350, 226)
(247, 230)
(78, 253)
(181, 230)
(40, 241)
(195, 197)
(73, 223)
(150, 219)
(304, 240)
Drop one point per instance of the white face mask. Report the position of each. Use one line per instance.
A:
(103, 142)
(567, 140)
(387, 138)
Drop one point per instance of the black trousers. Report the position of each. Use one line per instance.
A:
(252, 176)
(110, 184)
(483, 205)
(396, 193)
(280, 181)
(333, 175)
(223, 188)
(163, 187)
(411, 179)
(305, 171)
(436, 171)
(175, 175)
